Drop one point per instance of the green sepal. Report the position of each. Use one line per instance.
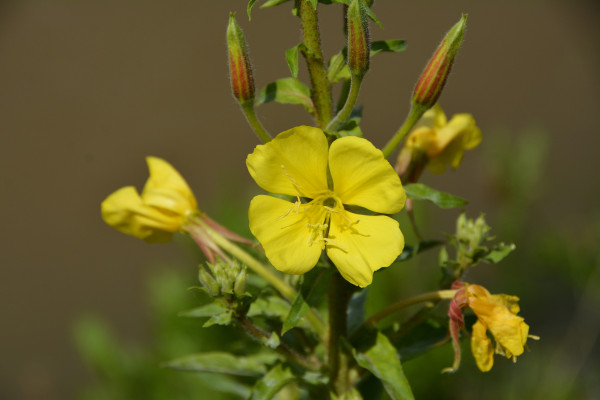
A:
(269, 385)
(225, 363)
(393, 46)
(287, 91)
(314, 286)
(379, 356)
(419, 191)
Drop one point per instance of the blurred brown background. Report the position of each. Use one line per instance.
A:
(88, 89)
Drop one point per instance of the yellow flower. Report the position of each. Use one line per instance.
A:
(441, 141)
(164, 205)
(296, 163)
(498, 314)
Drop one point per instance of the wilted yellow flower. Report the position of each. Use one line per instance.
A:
(160, 210)
(296, 163)
(443, 142)
(498, 314)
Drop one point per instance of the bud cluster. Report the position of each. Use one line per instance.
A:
(224, 278)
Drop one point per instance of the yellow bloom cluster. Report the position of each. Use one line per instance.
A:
(298, 163)
(162, 208)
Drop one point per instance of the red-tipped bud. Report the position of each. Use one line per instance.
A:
(240, 70)
(358, 38)
(432, 80)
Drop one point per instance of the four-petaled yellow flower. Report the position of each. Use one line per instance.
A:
(299, 163)
(498, 314)
(443, 142)
(166, 202)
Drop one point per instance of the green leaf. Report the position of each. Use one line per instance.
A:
(499, 252)
(356, 310)
(393, 46)
(249, 8)
(220, 319)
(271, 306)
(286, 91)
(272, 341)
(225, 363)
(338, 69)
(382, 361)
(419, 191)
(314, 285)
(273, 3)
(314, 3)
(291, 56)
(207, 310)
(422, 338)
(409, 252)
(267, 387)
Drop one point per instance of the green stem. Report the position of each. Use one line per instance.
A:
(250, 113)
(291, 354)
(437, 295)
(287, 291)
(341, 117)
(313, 54)
(416, 111)
(340, 292)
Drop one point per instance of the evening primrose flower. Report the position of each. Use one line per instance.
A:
(294, 234)
(166, 205)
(496, 313)
(437, 142)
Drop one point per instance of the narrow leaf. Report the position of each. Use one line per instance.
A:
(291, 56)
(393, 46)
(220, 319)
(499, 252)
(286, 91)
(314, 286)
(271, 306)
(267, 387)
(382, 361)
(249, 8)
(220, 362)
(273, 3)
(207, 310)
(419, 191)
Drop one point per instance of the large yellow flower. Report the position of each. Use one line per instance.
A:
(298, 163)
(162, 208)
(442, 141)
(498, 314)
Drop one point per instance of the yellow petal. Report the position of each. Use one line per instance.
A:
(125, 211)
(362, 177)
(163, 176)
(294, 163)
(433, 119)
(506, 327)
(481, 347)
(283, 233)
(358, 250)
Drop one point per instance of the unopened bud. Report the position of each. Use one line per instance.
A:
(208, 282)
(240, 70)
(239, 287)
(432, 80)
(358, 38)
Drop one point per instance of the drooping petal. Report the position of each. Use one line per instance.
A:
(163, 176)
(283, 233)
(363, 177)
(432, 119)
(294, 163)
(481, 347)
(125, 211)
(358, 250)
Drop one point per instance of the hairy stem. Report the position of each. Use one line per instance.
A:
(254, 122)
(341, 117)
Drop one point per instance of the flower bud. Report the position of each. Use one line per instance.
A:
(240, 70)
(208, 282)
(432, 80)
(358, 38)
(239, 287)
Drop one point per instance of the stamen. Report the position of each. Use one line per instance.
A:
(296, 185)
(295, 206)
